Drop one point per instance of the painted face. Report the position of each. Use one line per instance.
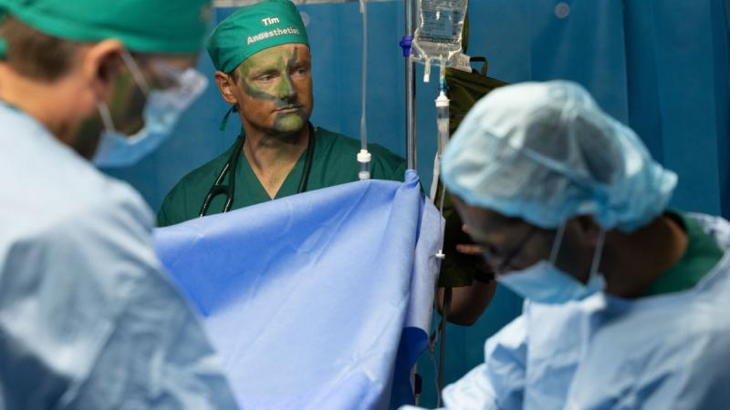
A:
(127, 100)
(274, 89)
(159, 72)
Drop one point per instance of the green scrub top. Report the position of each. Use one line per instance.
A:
(334, 162)
(700, 257)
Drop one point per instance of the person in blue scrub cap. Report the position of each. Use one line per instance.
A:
(88, 320)
(625, 299)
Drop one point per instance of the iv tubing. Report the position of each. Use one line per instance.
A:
(364, 157)
(364, 88)
(442, 126)
(442, 75)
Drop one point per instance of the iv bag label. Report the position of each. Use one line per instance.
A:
(441, 21)
(438, 26)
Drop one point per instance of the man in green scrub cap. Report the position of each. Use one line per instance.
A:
(88, 319)
(262, 57)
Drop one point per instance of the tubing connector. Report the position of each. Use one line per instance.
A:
(442, 75)
(427, 71)
(364, 157)
(442, 100)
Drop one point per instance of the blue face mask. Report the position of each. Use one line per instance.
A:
(543, 282)
(161, 113)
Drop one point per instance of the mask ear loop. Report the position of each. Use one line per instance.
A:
(136, 72)
(106, 116)
(597, 253)
(557, 242)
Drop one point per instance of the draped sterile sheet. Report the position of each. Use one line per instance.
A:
(316, 301)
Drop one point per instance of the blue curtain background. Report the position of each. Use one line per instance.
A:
(661, 66)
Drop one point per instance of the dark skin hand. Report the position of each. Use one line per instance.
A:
(469, 302)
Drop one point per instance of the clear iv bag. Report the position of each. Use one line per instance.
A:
(439, 31)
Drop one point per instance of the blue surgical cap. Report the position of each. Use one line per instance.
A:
(545, 152)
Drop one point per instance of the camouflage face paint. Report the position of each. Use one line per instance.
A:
(297, 118)
(274, 79)
(126, 107)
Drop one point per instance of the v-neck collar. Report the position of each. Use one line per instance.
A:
(251, 183)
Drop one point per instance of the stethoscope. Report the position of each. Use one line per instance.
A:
(232, 164)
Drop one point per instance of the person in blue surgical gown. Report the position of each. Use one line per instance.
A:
(87, 318)
(626, 300)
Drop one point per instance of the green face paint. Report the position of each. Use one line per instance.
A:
(126, 106)
(279, 82)
(283, 89)
(296, 119)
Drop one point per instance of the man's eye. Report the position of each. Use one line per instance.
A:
(265, 77)
(301, 71)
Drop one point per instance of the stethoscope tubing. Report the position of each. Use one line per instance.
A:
(232, 164)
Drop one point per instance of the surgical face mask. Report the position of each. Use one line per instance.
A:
(161, 113)
(543, 282)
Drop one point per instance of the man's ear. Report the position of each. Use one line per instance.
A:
(225, 86)
(101, 64)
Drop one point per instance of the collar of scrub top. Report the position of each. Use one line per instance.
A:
(11, 106)
(232, 164)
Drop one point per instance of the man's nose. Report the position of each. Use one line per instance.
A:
(286, 88)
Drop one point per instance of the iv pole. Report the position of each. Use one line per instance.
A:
(411, 145)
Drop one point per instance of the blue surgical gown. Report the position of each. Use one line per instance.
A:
(670, 351)
(87, 318)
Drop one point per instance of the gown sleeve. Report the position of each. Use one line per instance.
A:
(499, 382)
(89, 320)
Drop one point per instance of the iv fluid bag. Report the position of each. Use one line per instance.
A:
(440, 24)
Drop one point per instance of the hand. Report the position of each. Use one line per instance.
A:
(469, 248)
(473, 249)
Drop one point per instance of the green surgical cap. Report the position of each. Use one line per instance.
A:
(147, 26)
(255, 28)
